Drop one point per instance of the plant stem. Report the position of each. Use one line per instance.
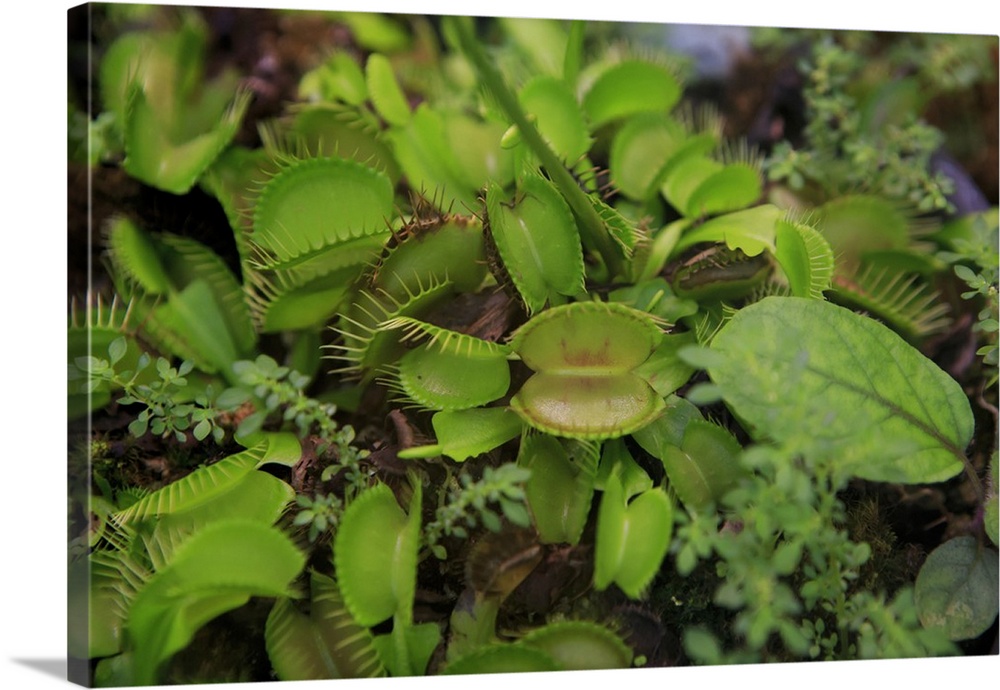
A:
(592, 230)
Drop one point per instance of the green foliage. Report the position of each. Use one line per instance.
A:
(173, 125)
(216, 569)
(633, 534)
(824, 379)
(321, 513)
(472, 502)
(789, 569)
(325, 643)
(956, 589)
(536, 238)
(167, 410)
(972, 247)
(511, 244)
(845, 152)
(560, 485)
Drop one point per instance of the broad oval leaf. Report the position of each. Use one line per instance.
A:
(384, 91)
(821, 377)
(584, 354)
(639, 150)
(956, 588)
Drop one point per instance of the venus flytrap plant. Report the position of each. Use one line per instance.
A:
(568, 281)
(173, 125)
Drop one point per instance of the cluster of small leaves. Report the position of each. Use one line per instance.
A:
(321, 512)
(982, 277)
(945, 65)
(469, 505)
(277, 389)
(166, 412)
(843, 154)
(788, 567)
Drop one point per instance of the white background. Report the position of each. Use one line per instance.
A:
(32, 328)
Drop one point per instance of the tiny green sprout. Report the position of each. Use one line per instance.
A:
(584, 355)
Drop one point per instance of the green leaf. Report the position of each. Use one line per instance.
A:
(315, 203)
(502, 658)
(580, 645)
(197, 488)
(587, 337)
(215, 570)
(426, 153)
(632, 538)
(407, 650)
(96, 628)
(339, 78)
(991, 511)
(464, 434)
(638, 152)
(559, 490)
(698, 186)
(820, 377)
(557, 115)
(375, 554)
(956, 588)
(630, 87)
(587, 406)
(751, 230)
(154, 158)
(705, 466)
(326, 643)
(384, 91)
(438, 379)
(476, 148)
(537, 240)
(805, 257)
(543, 41)
(134, 254)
